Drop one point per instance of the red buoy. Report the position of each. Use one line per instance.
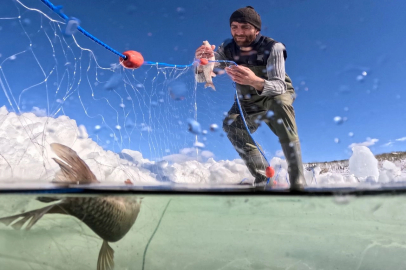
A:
(134, 60)
(270, 172)
(204, 61)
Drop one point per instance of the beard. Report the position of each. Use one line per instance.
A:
(244, 41)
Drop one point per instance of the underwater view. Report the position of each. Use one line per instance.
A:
(215, 232)
(202, 135)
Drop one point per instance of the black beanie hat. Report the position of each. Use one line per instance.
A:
(246, 15)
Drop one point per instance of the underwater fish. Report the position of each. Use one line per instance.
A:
(208, 69)
(110, 217)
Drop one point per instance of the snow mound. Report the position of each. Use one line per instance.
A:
(25, 155)
(363, 164)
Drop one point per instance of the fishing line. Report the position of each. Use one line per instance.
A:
(152, 236)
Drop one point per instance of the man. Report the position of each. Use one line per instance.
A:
(265, 92)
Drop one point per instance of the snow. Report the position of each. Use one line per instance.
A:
(26, 156)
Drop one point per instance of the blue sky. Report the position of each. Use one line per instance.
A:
(329, 44)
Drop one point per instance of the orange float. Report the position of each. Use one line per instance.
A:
(134, 60)
(203, 61)
(270, 172)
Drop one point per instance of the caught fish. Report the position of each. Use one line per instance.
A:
(109, 217)
(208, 69)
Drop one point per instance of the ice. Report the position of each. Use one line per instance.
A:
(114, 81)
(390, 172)
(281, 170)
(180, 10)
(194, 126)
(376, 84)
(338, 120)
(199, 145)
(71, 26)
(129, 122)
(214, 127)
(177, 90)
(22, 154)
(363, 163)
(360, 78)
(26, 21)
(269, 114)
(345, 89)
(29, 158)
(145, 128)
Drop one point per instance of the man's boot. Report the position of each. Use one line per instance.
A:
(255, 163)
(293, 157)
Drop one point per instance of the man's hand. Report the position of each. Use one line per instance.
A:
(245, 76)
(205, 52)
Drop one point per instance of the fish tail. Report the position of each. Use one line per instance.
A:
(210, 85)
(31, 216)
(73, 168)
(106, 257)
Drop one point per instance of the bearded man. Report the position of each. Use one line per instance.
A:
(265, 93)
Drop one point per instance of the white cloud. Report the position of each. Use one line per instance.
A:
(188, 154)
(146, 128)
(279, 153)
(388, 143)
(401, 139)
(368, 142)
(207, 154)
(39, 112)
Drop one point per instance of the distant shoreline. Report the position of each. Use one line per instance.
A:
(399, 158)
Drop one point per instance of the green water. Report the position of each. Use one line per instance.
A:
(221, 232)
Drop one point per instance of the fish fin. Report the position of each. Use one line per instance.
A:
(73, 168)
(106, 257)
(48, 199)
(213, 74)
(31, 216)
(210, 85)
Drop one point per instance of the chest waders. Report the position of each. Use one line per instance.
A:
(278, 113)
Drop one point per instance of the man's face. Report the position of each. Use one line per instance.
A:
(243, 33)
